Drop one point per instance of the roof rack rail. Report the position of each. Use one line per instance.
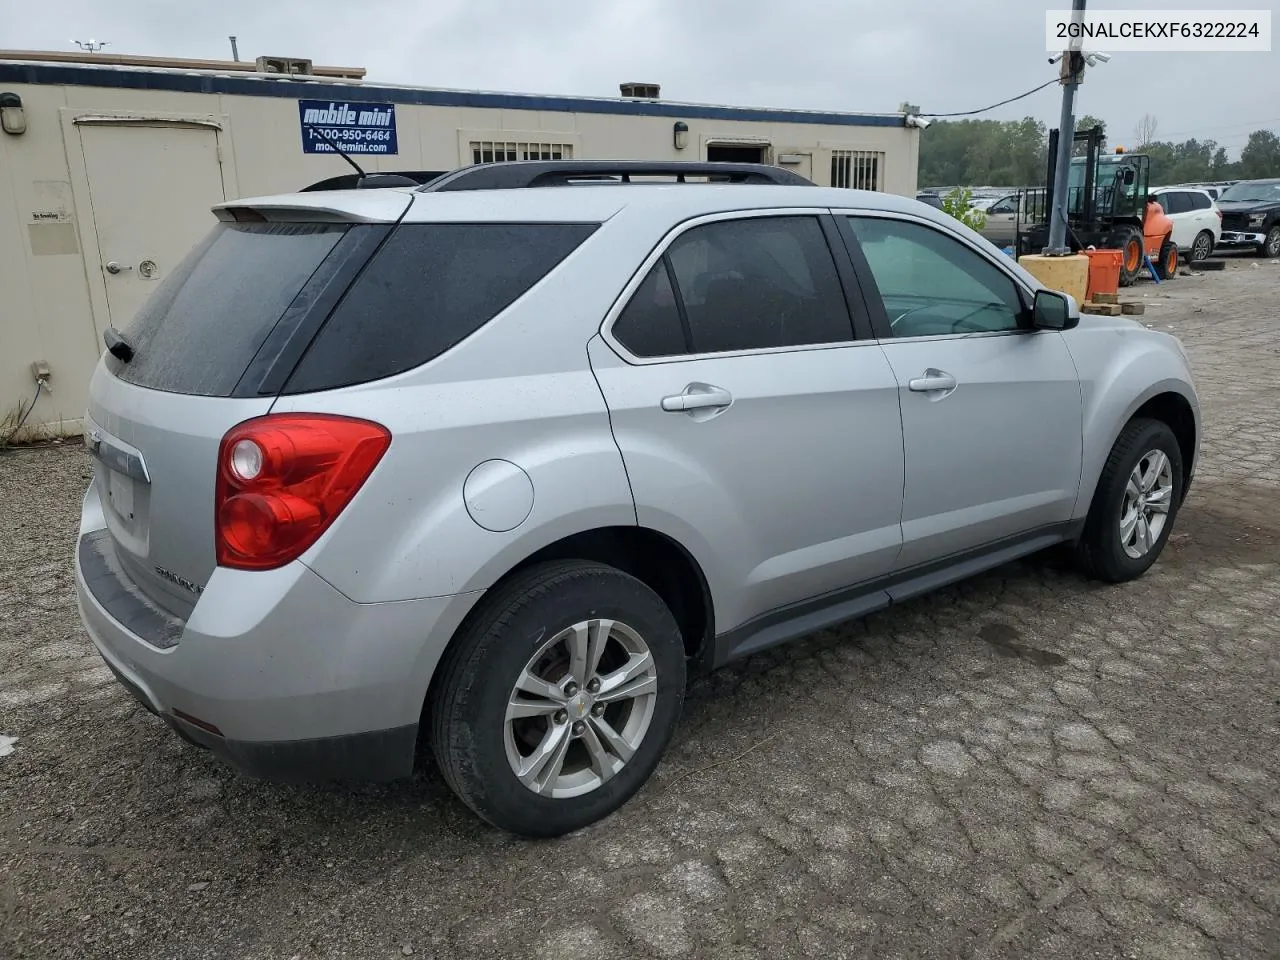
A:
(395, 178)
(514, 174)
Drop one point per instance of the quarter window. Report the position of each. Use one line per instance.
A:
(650, 324)
(932, 284)
(429, 287)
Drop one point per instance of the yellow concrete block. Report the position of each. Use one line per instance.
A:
(1066, 274)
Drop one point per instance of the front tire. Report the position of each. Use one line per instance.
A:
(1134, 505)
(1271, 245)
(558, 699)
(1129, 242)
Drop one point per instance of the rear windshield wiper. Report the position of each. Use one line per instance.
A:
(118, 345)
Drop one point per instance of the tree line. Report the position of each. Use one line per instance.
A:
(1013, 153)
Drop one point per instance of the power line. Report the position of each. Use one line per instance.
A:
(969, 113)
(1244, 127)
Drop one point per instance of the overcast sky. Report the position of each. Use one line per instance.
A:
(946, 55)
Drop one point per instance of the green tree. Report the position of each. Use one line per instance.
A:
(1220, 168)
(1088, 122)
(1260, 157)
(958, 203)
(1193, 160)
(968, 152)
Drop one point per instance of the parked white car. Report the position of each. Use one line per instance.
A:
(1197, 221)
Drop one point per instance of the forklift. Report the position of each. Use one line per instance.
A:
(1106, 209)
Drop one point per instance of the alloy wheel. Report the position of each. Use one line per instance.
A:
(580, 708)
(1148, 497)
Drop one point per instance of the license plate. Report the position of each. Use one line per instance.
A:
(120, 492)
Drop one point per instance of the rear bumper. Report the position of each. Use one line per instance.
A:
(283, 676)
(377, 755)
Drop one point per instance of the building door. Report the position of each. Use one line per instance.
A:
(150, 188)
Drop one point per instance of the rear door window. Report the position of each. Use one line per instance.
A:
(1176, 201)
(1200, 201)
(759, 283)
(203, 325)
(755, 283)
(427, 289)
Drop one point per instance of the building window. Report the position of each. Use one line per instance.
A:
(496, 151)
(857, 169)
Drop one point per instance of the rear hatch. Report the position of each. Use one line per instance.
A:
(211, 348)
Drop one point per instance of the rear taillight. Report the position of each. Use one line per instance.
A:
(283, 478)
(1218, 212)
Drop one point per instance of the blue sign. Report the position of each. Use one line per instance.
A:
(355, 127)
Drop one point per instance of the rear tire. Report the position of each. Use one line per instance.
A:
(1168, 265)
(1201, 246)
(1122, 537)
(1129, 242)
(1271, 245)
(599, 752)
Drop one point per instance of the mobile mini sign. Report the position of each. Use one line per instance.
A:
(355, 127)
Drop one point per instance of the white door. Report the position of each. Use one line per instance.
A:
(151, 189)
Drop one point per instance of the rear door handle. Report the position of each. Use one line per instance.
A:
(697, 396)
(931, 381)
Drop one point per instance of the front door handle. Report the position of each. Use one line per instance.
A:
(115, 267)
(931, 381)
(697, 396)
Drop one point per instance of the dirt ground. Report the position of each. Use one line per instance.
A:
(1027, 764)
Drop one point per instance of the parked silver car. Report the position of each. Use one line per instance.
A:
(489, 465)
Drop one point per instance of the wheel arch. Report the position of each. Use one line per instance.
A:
(654, 558)
(1170, 401)
(1173, 409)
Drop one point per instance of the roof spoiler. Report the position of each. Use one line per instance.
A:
(398, 178)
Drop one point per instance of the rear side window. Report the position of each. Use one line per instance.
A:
(1200, 201)
(428, 288)
(1177, 201)
(203, 325)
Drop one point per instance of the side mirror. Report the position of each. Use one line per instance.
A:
(1129, 177)
(1052, 310)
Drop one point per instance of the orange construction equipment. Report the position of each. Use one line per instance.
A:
(1104, 270)
(1157, 233)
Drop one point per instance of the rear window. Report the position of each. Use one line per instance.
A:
(203, 325)
(428, 288)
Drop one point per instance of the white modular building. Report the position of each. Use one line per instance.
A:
(109, 166)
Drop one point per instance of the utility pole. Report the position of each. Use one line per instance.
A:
(235, 51)
(1073, 71)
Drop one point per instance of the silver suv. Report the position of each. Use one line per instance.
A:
(486, 467)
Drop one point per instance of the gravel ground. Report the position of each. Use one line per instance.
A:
(1027, 764)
